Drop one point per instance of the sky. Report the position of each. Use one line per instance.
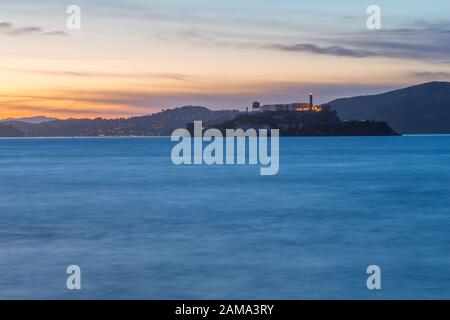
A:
(136, 57)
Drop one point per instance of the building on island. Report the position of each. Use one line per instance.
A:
(300, 107)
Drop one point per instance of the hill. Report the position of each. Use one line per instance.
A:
(35, 120)
(423, 108)
(159, 124)
(9, 131)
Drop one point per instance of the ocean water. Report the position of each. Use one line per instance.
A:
(140, 227)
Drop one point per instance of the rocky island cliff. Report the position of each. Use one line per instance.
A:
(309, 123)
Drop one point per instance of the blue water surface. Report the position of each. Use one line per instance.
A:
(142, 228)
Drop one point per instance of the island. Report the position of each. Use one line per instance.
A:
(319, 122)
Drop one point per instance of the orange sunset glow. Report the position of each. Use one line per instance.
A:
(117, 67)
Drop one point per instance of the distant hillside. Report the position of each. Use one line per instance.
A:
(38, 119)
(159, 124)
(423, 108)
(9, 131)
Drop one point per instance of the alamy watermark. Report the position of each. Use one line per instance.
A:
(374, 280)
(374, 19)
(74, 19)
(191, 150)
(73, 281)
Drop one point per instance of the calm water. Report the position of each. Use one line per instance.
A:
(140, 227)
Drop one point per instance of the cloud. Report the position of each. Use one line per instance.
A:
(7, 28)
(432, 75)
(98, 74)
(24, 30)
(421, 41)
(356, 51)
(432, 50)
(55, 33)
(48, 110)
(330, 50)
(5, 25)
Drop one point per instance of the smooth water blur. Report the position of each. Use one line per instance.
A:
(140, 227)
